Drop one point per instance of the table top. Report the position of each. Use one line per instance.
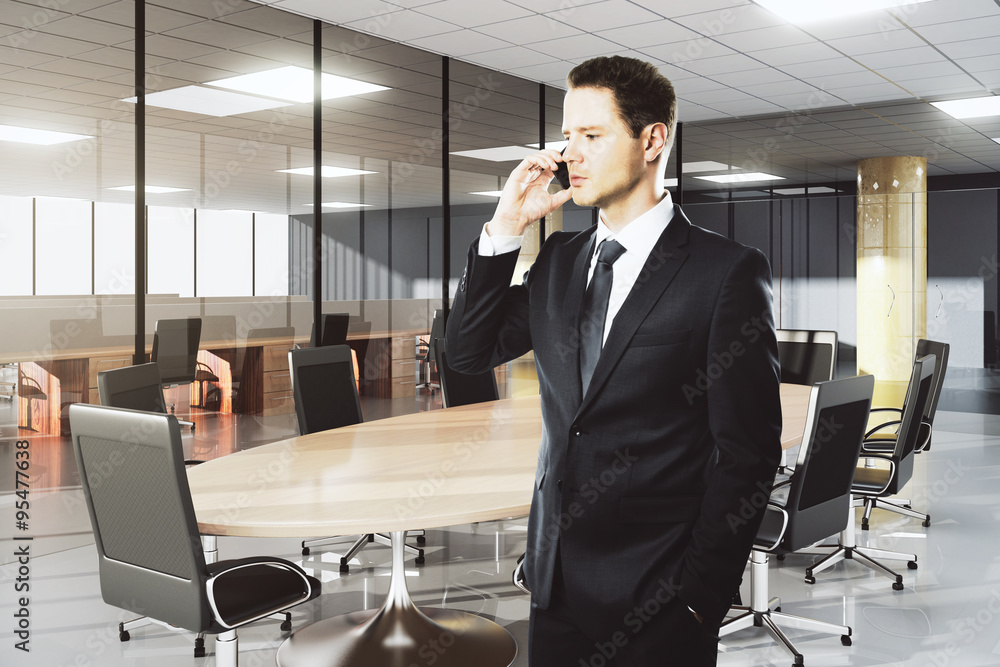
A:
(424, 470)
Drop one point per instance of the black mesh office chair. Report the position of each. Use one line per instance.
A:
(150, 560)
(326, 397)
(806, 357)
(881, 439)
(29, 389)
(138, 387)
(818, 502)
(334, 329)
(880, 482)
(175, 351)
(427, 353)
(459, 388)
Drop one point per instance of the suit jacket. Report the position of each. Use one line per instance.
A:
(652, 485)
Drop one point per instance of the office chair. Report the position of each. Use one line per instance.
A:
(427, 353)
(175, 351)
(326, 397)
(147, 537)
(28, 388)
(818, 502)
(459, 388)
(880, 482)
(137, 387)
(881, 439)
(806, 357)
(334, 329)
(359, 343)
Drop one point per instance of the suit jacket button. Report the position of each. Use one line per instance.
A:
(576, 431)
(559, 485)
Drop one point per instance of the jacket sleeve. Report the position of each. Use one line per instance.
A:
(745, 419)
(488, 323)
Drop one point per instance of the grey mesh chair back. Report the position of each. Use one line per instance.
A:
(437, 331)
(175, 349)
(133, 387)
(459, 388)
(140, 507)
(918, 393)
(819, 496)
(324, 389)
(806, 357)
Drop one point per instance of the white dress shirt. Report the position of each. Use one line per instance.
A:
(637, 238)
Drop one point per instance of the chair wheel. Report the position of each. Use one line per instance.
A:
(897, 585)
(798, 661)
(864, 525)
(286, 626)
(420, 559)
(845, 640)
(909, 507)
(421, 540)
(780, 556)
(810, 580)
(199, 647)
(305, 551)
(912, 565)
(345, 568)
(192, 428)
(778, 609)
(927, 521)
(124, 636)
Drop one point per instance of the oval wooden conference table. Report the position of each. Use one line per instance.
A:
(424, 470)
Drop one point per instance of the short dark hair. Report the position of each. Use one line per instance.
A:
(643, 95)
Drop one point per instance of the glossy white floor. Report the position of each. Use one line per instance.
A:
(948, 615)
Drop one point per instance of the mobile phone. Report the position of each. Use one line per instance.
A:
(562, 173)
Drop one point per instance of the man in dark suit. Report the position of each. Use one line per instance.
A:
(657, 362)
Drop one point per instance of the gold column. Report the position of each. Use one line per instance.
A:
(892, 270)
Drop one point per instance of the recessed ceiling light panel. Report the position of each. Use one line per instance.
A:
(803, 11)
(295, 84)
(208, 101)
(488, 193)
(151, 189)
(27, 135)
(498, 154)
(741, 178)
(327, 171)
(975, 107)
(339, 204)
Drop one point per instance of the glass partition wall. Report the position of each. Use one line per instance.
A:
(230, 217)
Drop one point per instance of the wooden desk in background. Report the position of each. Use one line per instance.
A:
(70, 375)
(424, 470)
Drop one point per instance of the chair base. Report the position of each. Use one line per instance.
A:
(766, 613)
(847, 549)
(360, 544)
(899, 507)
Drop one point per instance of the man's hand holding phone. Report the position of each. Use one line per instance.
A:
(526, 197)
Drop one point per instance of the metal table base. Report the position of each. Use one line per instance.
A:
(400, 635)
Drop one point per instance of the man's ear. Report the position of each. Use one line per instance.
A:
(654, 140)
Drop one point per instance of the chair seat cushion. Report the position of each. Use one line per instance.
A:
(870, 480)
(205, 376)
(256, 589)
(769, 532)
(879, 446)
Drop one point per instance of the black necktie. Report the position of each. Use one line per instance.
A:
(595, 309)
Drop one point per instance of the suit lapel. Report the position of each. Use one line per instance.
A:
(572, 304)
(663, 263)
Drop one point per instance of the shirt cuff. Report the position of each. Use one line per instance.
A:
(498, 245)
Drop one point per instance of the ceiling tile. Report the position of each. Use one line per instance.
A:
(460, 43)
(819, 68)
(800, 53)
(860, 24)
(686, 52)
(752, 77)
(578, 46)
(546, 72)
(547, 6)
(890, 40)
(972, 48)
(511, 57)
(736, 62)
(901, 57)
(648, 34)
(158, 19)
(764, 38)
(403, 26)
(603, 15)
(906, 72)
(955, 31)
(218, 34)
(529, 29)
(980, 64)
(472, 14)
(926, 13)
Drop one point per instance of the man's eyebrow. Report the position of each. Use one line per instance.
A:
(588, 128)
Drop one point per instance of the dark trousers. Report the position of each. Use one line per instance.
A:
(564, 635)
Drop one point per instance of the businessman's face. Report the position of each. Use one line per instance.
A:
(606, 164)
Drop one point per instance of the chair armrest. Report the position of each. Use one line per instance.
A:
(240, 563)
(775, 507)
(898, 410)
(930, 429)
(878, 428)
(892, 469)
